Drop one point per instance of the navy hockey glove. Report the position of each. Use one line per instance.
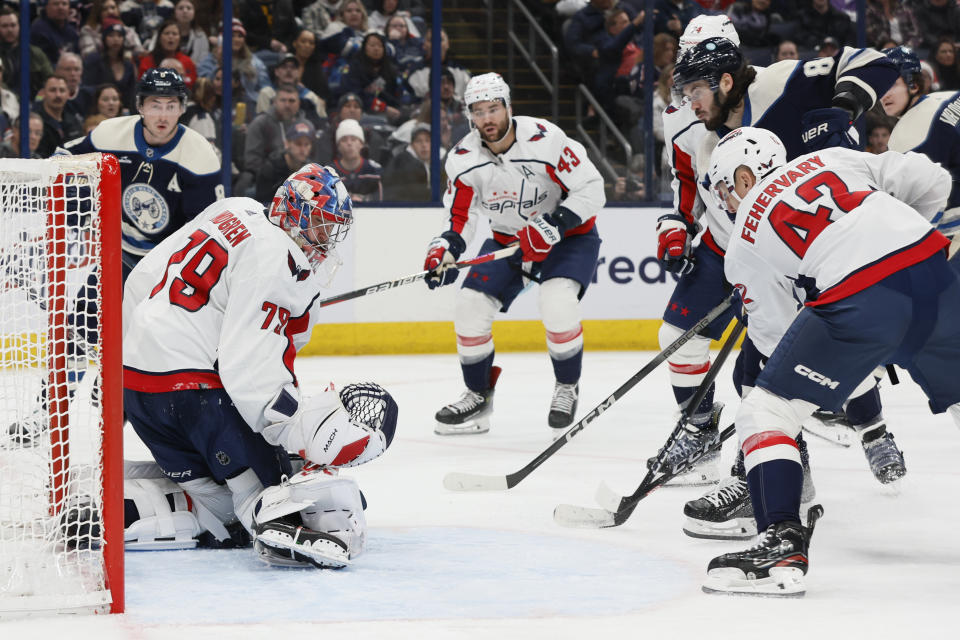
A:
(824, 128)
(442, 252)
(673, 244)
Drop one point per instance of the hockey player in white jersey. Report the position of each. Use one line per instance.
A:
(213, 318)
(538, 188)
(849, 234)
(928, 124)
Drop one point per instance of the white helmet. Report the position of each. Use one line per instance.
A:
(487, 86)
(759, 150)
(702, 27)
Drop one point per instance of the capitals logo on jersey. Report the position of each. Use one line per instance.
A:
(541, 132)
(146, 207)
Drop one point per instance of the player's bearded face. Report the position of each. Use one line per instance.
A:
(491, 119)
(709, 106)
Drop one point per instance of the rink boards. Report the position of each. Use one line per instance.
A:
(621, 309)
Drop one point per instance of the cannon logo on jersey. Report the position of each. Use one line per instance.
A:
(146, 208)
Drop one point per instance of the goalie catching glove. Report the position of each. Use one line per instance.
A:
(442, 253)
(673, 243)
(330, 429)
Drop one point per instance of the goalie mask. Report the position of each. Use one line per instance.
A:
(314, 207)
(759, 150)
(702, 27)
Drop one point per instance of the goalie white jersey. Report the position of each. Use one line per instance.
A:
(828, 225)
(225, 302)
(541, 170)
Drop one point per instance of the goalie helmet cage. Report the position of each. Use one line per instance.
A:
(61, 448)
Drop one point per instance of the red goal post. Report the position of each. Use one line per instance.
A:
(61, 435)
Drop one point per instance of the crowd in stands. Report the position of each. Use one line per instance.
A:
(341, 82)
(602, 40)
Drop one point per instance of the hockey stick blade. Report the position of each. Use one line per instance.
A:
(578, 517)
(455, 481)
(513, 479)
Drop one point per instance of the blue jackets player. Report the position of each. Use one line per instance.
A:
(169, 173)
(810, 105)
(928, 124)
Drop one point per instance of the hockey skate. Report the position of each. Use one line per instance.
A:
(775, 566)
(726, 512)
(469, 414)
(830, 426)
(885, 458)
(282, 544)
(563, 406)
(707, 470)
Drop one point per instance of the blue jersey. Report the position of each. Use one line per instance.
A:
(162, 187)
(932, 127)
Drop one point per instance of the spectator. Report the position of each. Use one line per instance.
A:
(753, 19)
(419, 80)
(193, 41)
(11, 148)
(53, 32)
(40, 67)
(407, 50)
(79, 97)
(372, 76)
(928, 79)
(672, 16)
(315, 17)
(828, 48)
(360, 175)
(351, 23)
(312, 76)
(59, 125)
(288, 72)
(661, 100)
(167, 45)
(944, 64)
(91, 122)
(385, 11)
(878, 136)
(786, 50)
(350, 107)
(296, 152)
(106, 101)
(584, 31)
(269, 24)
(9, 103)
(407, 176)
(252, 72)
(203, 114)
(146, 16)
(611, 47)
(937, 18)
(111, 66)
(265, 135)
(91, 33)
(821, 20)
(449, 105)
(891, 19)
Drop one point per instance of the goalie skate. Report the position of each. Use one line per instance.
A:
(707, 470)
(470, 414)
(286, 545)
(775, 566)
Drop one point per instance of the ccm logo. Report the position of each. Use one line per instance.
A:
(819, 378)
(812, 133)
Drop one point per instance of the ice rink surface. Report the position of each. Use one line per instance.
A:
(444, 565)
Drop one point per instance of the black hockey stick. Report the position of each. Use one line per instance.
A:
(390, 284)
(456, 481)
(616, 509)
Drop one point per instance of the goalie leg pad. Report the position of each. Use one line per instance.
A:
(158, 525)
(286, 545)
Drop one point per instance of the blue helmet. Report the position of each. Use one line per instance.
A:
(907, 62)
(314, 208)
(161, 82)
(707, 60)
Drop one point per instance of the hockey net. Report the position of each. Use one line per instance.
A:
(61, 502)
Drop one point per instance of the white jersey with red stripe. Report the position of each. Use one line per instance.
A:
(541, 170)
(683, 133)
(226, 301)
(827, 225)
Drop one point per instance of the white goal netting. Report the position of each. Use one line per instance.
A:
(53, 430)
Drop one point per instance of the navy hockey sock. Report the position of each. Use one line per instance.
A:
(567, 371)
(775, 488)
(477, 375)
